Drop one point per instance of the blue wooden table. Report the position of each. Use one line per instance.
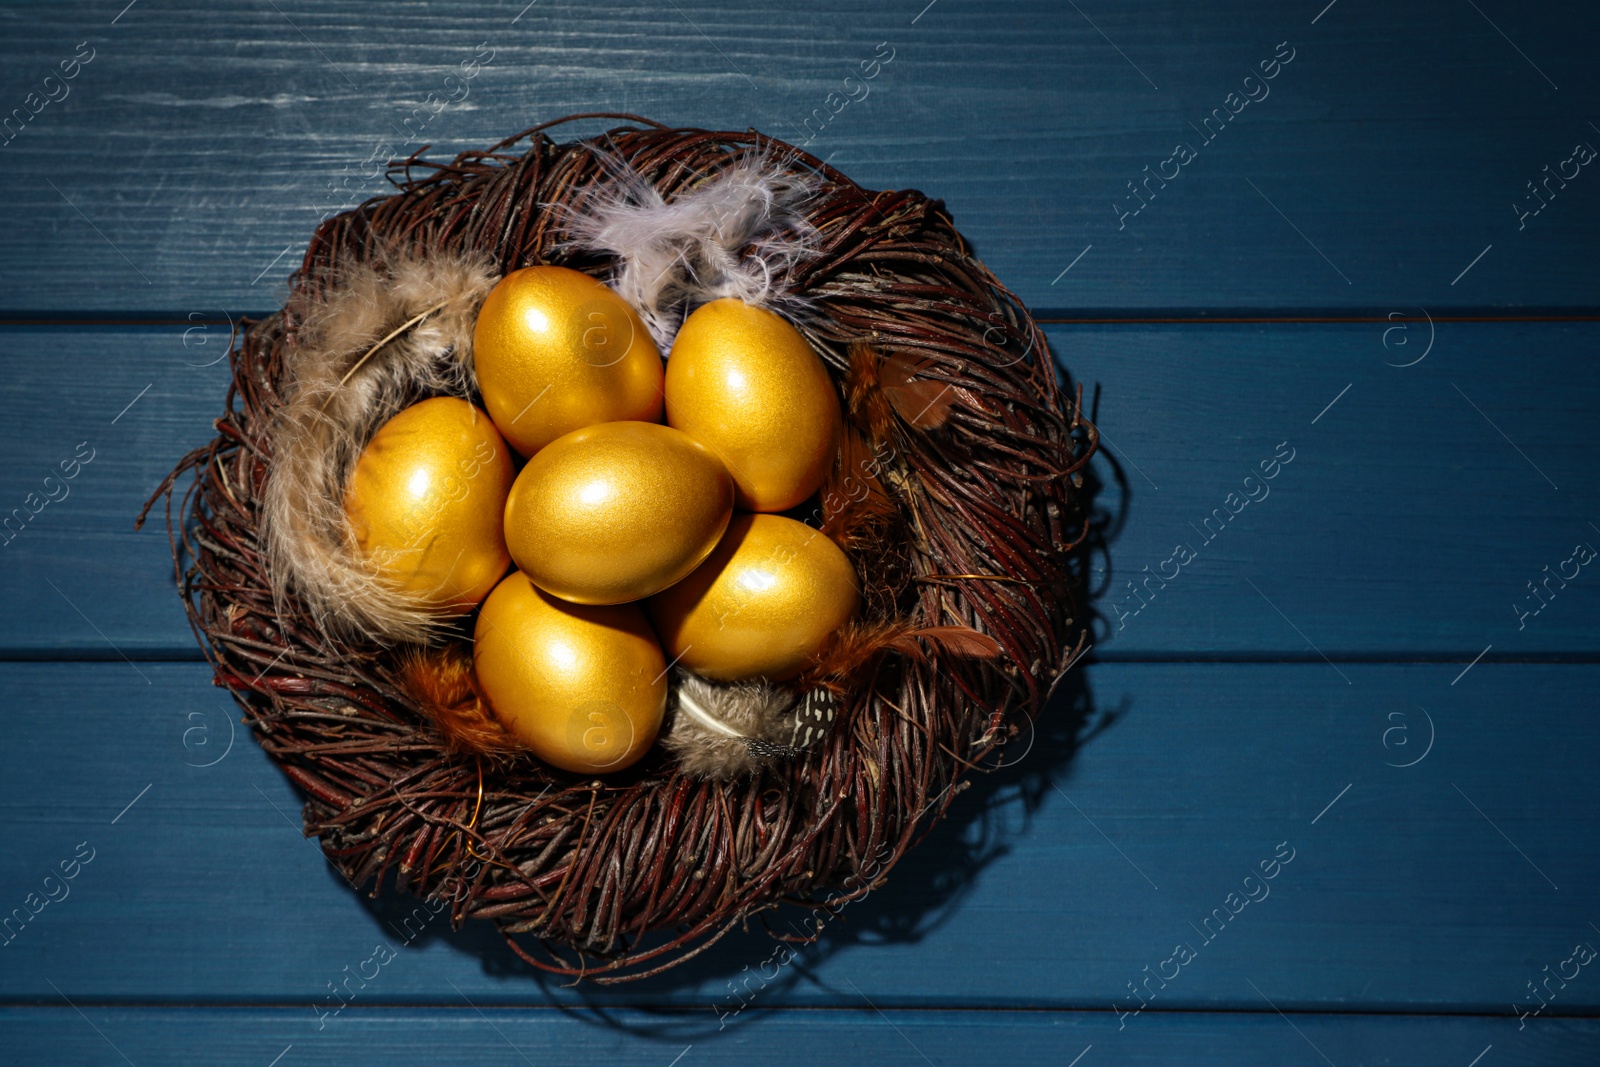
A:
(1326, 794)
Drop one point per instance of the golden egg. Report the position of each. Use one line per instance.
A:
(744, 383)
(556, 350)
(584, 687)
(615, 512)
(760, 605)
(426, 499)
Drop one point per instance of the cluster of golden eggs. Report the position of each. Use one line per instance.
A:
(638, 544)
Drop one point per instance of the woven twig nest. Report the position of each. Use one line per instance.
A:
(979, 448)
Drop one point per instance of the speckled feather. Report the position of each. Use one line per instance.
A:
(730, 731)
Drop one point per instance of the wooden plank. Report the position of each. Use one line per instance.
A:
(1420, 504)
(1056, 884)
(251, 1037)
(1374, 169)
(132, 402)
(1405, 524)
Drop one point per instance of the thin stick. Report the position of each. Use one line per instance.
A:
(577, 852)
(973, 577)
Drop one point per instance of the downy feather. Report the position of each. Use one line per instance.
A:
(326, 421)
(729, 731)
(736, 233)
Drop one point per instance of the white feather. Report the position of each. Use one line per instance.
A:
(736, 233)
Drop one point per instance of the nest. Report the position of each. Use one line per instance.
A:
(978, 452)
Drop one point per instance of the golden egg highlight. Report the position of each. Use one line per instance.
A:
(556, 350)
(583, 687)
(764, 602)
(426, 500)
(615, 512)
(746, 384)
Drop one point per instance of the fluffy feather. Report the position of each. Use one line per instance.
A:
(445, 687)
(865, 399)
(729, 731)
(735, 233)
(856, 508)
(855, 648)
(326, 421)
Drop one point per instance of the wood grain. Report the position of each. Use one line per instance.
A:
(1309, 678)
(193, 155)
(251, 1037)
(1056, 883)
(1405, 488)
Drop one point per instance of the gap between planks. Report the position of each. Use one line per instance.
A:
(1043, 316)
(658, 1008)
(176, 656)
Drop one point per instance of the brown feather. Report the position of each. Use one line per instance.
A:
(961, 641)
(864, 397)
(923, 402)
(854, 650)
(879, 389)
(856, 509)
(850, 652)
(444, 685)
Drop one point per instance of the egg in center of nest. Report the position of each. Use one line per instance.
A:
(616, 512)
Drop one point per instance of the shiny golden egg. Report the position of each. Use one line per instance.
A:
(426, 499)
(615, 512)
(760, 605)
(556, 350)
(583, 687)
(744, 383)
